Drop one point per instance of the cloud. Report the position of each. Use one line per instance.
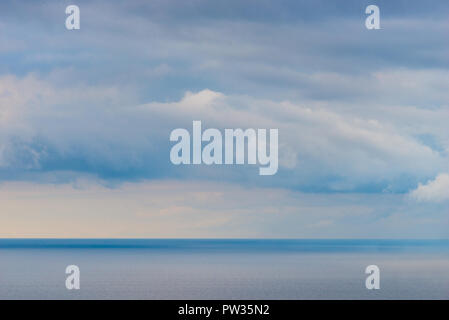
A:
(174, 46)
(361, 115)
(196, 209)
(105, 131)
(357, 110)
(433, 191)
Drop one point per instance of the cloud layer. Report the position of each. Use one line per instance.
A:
(103, 131)
(195, 209)
(360, 113)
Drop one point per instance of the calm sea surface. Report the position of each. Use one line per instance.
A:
(224, 269)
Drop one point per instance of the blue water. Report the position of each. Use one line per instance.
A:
(223, 269)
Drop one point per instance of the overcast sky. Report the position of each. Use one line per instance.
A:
(85, 118)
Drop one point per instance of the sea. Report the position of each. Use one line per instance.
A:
(223, 268)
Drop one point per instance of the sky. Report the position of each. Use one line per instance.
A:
(86, 115)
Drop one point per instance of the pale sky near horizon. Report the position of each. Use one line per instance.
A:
(85, 118)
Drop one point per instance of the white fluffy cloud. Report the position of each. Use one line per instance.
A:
(434, 190)
(319, 141)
